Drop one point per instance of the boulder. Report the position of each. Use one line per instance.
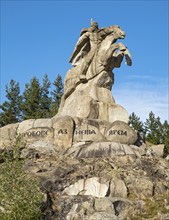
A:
(111, 209)
(158, 150)
(9, 131)
(101, 125)
(38, 149)
(88, 131)
(33, 130)
(118, 188)
(63, 131)
(106, 149)
(120, 132)
(90, 186)
(8, 134)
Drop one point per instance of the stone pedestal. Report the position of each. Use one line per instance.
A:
(88, 113)
(92, 100)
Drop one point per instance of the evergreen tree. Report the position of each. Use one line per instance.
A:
(56, 94)
(11, 108)
(165, 137)
(153, 129)
(45, 101)
(31, 100)
(165, 133)
(134, 122)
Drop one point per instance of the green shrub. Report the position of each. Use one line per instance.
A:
(166, 151)
(20, 194)
(153, 207)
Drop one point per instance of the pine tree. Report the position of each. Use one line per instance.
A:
(31, 100)
(165, 137)
(134, 122)
(165, 132)
(45, 101)
(153, 129)
(11, 108)
(56, 94)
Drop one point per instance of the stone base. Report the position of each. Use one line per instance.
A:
(105, 149)
(65, 133)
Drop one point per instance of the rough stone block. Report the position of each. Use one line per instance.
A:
(118, 188)
(8, 134)
(158, 149)
(105, 149)
(87, 133)
(90, 186)
(120, 132)
(63, 131)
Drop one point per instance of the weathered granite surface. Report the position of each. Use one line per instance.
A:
(91, 164)
(65, 131)
(88, 112)
(88, 84)
(123, 186)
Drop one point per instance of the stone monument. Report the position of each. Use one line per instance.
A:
(89, 120)
(88, 84)
(90, 163)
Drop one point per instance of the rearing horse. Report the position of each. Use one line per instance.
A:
(106, 56)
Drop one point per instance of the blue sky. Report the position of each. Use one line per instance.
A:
(38, 37)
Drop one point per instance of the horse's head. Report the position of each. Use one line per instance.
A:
(116, 31)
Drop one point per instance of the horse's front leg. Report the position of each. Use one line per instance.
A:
(128, 57)
(123, 51)
(107, 55)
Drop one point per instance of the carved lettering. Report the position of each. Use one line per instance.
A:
(82, 132)
(35, 133)
(92, 132)
(117, 132)
(38, 133)
(62, 131)
(125, 133)
(78, 132)
(29, 133)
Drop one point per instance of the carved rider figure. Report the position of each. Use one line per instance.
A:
(96, 54)
(88, 39)
(87, 46)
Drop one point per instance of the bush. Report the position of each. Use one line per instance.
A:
(166, 151)
(20, 194)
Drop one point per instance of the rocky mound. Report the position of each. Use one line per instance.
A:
(123, 186)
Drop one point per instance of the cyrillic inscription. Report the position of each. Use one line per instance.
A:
(87, 132)
(62, 131)
(35, 133)
(117, 132)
